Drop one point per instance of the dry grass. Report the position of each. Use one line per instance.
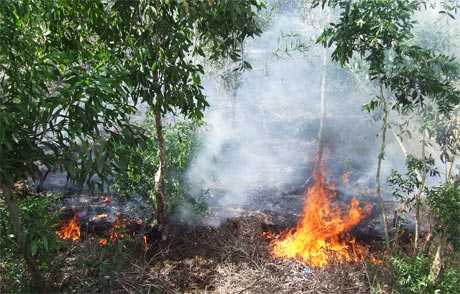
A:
(233, 258)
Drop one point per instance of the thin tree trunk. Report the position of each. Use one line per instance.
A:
(160, 174)
(322, 115)
(379, 165)
(15, 218)
(406, 154)
(437, 266)
(418, 197)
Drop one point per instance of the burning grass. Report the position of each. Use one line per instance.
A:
(233, 258)
(322, 232)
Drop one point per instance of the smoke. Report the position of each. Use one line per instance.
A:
(260, 140)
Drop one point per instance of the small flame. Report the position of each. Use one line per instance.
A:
(321, 234)
(70, 230)
(105, 199)
(118, 228)
(102, 215)
(146, 240)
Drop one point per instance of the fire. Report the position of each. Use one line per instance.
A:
(102, 215)
(321, 234)
(118, 228)
(105, 199)
(70, 230)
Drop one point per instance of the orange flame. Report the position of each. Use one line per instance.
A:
(320, 236)
(105, 199)
(118, 228)
(103, 241)
(102, 215)
(70, 230)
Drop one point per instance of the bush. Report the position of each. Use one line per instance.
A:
(142, 164)
(38, 223)
(412, 276)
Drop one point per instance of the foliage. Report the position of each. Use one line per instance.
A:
(79, 85)
(156, 48)
(93, 268)
(412, 276)
(444, 202)
(74, 90)
(41, 240)
(13, 273)
(405, 186)
(142, 163)
(450, 282)
(380, 32)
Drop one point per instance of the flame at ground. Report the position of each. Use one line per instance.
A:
(118, 230)
(70, 230)
(102, 215)
(321, 234)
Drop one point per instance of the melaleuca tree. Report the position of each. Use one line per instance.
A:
(63, 101)
(158, 41)
(380, 34)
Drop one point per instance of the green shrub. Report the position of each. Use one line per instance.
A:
(444, 203)
(412, 276)
(181, 144)
(38, 221)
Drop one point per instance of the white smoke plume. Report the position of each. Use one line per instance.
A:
(265, 143)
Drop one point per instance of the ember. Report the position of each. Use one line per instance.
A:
(321, 234)
(105, 199)
(70, 230)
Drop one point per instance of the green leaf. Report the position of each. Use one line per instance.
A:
(34, 247)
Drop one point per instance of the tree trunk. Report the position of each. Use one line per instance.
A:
(418, 197)
(437, 266)
(322, 113)
(379, 166)
(160, 174)
(15, 218)
(322, 117)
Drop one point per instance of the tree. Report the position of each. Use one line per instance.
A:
(379, 32)
(156, 41)
(72, 72)
(63, 101)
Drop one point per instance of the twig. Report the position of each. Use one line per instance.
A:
(367, 274)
